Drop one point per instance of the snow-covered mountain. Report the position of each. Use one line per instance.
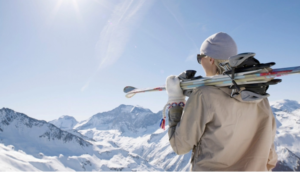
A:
(64, 122)
(35, 136)
(126, 138)
(287, 140)
(287, 160)
(27, 144)
(285, 106)
(129, 120)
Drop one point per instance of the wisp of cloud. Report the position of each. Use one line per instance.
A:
(116, 33)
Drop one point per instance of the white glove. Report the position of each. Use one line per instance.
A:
(174, 91)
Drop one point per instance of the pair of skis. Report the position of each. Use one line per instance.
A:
(242, 70)
(243, 78)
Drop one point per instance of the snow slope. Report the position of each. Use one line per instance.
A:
(17, 160)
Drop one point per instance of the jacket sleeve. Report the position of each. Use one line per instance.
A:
(272, 155)
(187, 133)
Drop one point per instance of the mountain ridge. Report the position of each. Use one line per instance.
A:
(20, 127)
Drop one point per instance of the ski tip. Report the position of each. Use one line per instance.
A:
(129, 95)
(128, 89)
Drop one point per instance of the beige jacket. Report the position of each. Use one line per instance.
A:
(226, 134)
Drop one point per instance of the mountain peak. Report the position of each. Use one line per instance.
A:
(124, 108)
(67, 117)
(124, 118)
(137, 109)
(64, 122)
(7, 110)
(132, 109)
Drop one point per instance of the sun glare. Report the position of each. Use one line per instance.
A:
(75, 4)
(61, 3)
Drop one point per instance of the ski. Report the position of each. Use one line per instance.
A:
(131, 91)
(244, 78)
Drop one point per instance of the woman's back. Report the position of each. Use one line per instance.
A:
(238, 135)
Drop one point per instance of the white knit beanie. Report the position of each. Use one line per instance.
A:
(219, 46)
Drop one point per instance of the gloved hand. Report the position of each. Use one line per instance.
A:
(174, 91)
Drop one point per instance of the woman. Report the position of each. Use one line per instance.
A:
(225, 134)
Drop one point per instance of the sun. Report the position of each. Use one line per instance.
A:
(66, 2)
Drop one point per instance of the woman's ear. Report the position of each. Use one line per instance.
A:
(211, 60)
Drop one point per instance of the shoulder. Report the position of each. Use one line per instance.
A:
(206, 91)
(209, 95)
(203, 94)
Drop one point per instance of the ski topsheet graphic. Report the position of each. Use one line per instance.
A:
(251, 77)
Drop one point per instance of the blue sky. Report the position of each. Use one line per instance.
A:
(74, 57)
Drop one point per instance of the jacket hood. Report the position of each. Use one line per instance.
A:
(238, 97)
